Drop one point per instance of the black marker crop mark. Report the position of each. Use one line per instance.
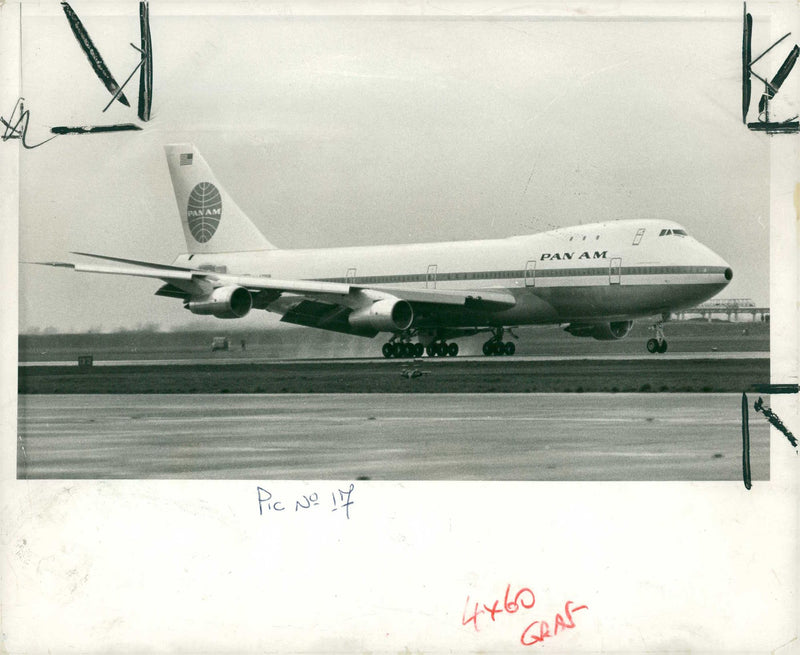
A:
(764, 124)
(770, 416)
(146, 70)
(94, 129)
(93, 54)
(746, 476)
(19, 129)
(775, 420)
(128, 79)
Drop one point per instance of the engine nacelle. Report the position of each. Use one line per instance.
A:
(223, 302)
(387, 315)
(601, 331)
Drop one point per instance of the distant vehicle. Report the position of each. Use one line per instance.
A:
(593, 279)
(220, 343)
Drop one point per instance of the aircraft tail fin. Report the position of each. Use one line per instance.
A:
(212, 222)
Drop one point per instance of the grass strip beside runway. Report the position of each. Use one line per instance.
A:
(437, 376)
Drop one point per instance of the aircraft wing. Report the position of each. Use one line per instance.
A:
(313, 303)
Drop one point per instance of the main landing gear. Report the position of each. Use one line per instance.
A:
(441, 349)
(495, 345)
(434, 343)
(659, 344)
(402, 349)
(406, 349)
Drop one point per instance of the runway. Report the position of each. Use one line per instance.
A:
(590, 436)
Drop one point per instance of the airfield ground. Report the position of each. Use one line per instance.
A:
(375, 376)
(696, 362)
(698, 337)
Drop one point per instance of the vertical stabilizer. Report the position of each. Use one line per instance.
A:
(212, 222)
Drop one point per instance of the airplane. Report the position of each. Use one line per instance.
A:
(593, 279)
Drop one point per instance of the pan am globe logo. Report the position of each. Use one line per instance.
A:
(204, 211)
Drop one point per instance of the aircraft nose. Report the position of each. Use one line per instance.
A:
(713, 259)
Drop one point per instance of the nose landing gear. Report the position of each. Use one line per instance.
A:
(659, 344)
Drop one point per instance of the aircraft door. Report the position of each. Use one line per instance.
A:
(615, 270)
(351, 275)
(430, 277)
(530, 273)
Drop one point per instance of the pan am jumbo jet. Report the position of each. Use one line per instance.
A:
(595, 279)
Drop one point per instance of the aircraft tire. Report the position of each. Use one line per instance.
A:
(509, 348)
(452, 349)
(429, 350)
(662, 348)
(387, 350)
(418, 350)
(488, 349)
(652, 346)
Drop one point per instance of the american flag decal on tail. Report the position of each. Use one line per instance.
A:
(186, 159)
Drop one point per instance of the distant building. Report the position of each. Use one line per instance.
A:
(730, 309)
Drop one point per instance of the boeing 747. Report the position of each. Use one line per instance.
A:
(594, 279)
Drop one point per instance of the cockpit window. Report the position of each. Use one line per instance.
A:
(680, 232)
(666, 232)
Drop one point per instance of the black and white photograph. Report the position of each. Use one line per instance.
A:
(373, 327)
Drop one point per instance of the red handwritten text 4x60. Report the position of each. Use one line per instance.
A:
(524, 599)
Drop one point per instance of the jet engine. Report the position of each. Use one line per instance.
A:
(223, 302)
(601, 331)
(387, 315)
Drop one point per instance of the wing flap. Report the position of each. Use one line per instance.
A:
(477, 299)
(325, 316)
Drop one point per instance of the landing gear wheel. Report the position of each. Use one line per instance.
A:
(452, 349)
(509, 348)
(488, 348)
(429, 350)
(387, 350)
(652, 346)
(662, 348)
(418, 350)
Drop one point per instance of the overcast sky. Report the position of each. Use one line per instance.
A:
(354, 131)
